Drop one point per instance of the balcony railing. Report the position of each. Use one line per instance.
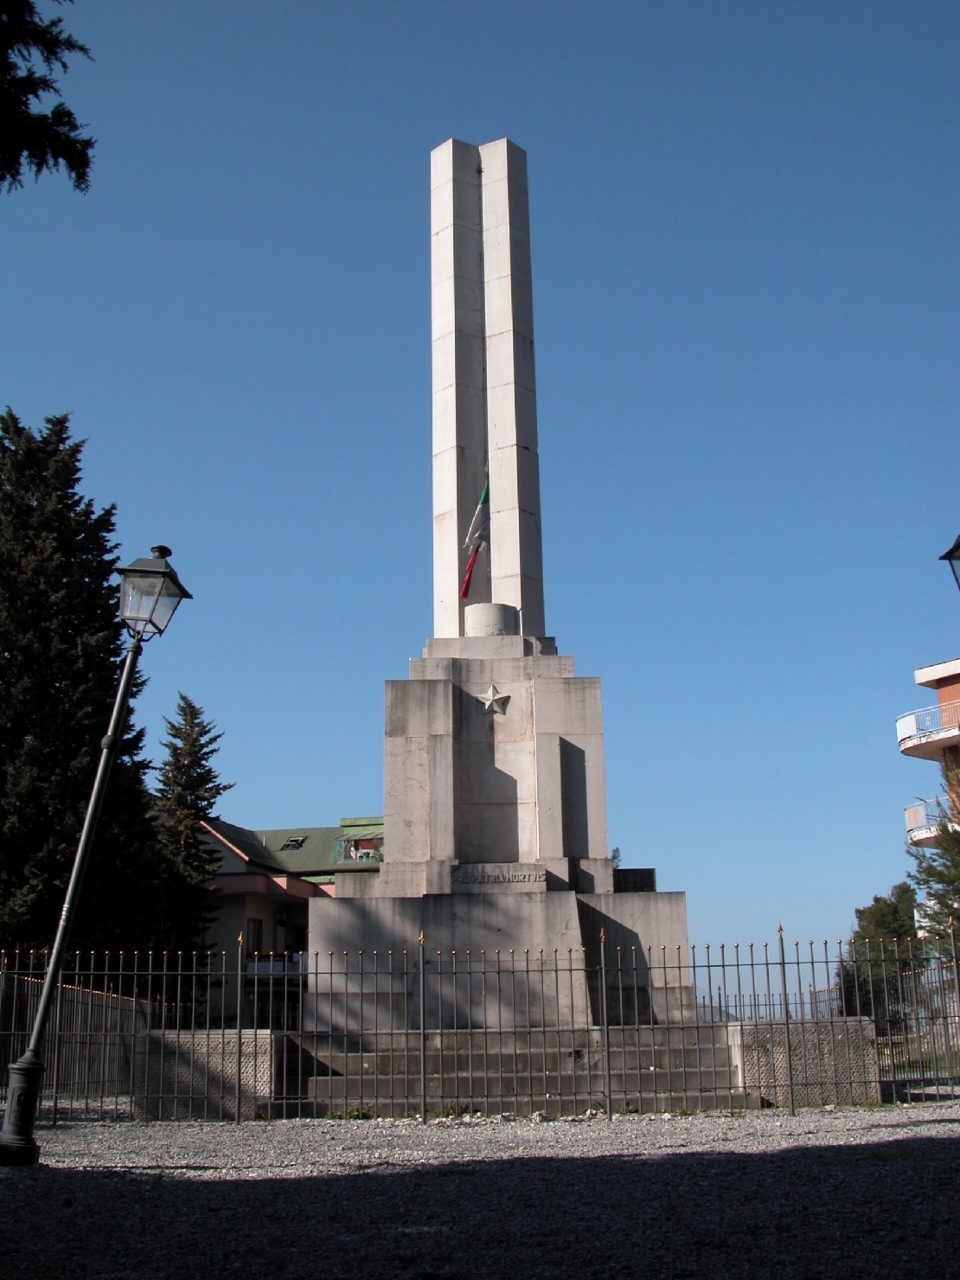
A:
(353, 850)
(923, 814)
(923, 819)
(928, 720)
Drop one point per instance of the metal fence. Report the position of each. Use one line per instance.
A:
(419, 1032)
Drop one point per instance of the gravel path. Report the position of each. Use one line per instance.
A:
(832, 1193)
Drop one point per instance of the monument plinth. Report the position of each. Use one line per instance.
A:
(495, 804)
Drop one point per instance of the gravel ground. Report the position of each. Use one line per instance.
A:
(845, 1193)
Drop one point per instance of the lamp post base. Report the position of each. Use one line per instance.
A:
(17, 1143)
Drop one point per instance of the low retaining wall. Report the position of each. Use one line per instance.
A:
(831, 1062)
(203, 1075)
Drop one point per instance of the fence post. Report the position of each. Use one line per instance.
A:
(605, 1022)
(423, 1032)
(55, 1073)
(239, 1019)
(786, 1020)
(956, 969)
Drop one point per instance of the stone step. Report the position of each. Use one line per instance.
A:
(632, 1039)
(481, 1085)
(534, 1068)
(651, 1058)
(440, 1104)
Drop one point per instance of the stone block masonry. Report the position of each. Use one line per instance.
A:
(202, 1075)
(830, 1062)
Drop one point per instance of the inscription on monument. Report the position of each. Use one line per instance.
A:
(499, 876)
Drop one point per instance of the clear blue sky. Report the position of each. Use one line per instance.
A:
(744, 221)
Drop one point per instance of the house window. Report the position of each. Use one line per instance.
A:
(254, 936)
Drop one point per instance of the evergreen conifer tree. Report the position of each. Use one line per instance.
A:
(31, 49)
(61, 647)
(936, 876)
(889, 916)
(883, 950)
(189, 788)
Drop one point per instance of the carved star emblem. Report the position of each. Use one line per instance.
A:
(495, 701)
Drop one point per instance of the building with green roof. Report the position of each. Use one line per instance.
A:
(267, 878)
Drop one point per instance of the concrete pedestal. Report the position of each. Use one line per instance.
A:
(494, 754)
(366, 966)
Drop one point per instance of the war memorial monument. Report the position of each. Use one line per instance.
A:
(495, 834)
(495, 960)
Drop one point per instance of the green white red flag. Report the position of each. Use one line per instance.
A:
(477, 536)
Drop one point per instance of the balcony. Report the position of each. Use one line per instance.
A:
(358, 850)
(928, 732)
(923, 819)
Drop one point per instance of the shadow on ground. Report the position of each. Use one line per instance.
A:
(875, 1209)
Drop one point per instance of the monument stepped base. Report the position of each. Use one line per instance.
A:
(639, 1069)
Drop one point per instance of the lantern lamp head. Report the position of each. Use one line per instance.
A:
(952, 558)
(150, 592)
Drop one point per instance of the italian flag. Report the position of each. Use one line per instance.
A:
(476, 537)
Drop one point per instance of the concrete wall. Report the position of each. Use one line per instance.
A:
(462, 933)
(449, 922)
(526, 923)
(653, 923)
(948, 690)
(234, 910)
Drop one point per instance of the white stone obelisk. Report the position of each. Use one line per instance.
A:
(494, 746)
(484, 390)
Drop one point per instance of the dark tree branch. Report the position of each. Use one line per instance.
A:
(31, 138)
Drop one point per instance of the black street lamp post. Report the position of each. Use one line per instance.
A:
(150, 592)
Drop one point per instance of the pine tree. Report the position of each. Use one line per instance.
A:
(61, 646)
(189, 788)
(936, 875)
(41, 140)
(889, 916)
(883, 950)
